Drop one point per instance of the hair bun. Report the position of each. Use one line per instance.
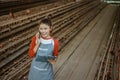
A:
(46, 20)
(49, 16)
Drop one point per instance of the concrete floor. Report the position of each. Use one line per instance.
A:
(80, 58)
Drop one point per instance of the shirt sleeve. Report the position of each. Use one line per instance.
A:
(32, 45)
(56, 44)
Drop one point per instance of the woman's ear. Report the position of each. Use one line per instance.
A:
(39, 33)
(51, 28)
(50, 31)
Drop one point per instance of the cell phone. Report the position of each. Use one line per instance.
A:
(44, 58)
(39, 34)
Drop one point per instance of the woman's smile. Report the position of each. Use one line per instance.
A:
(44, 30)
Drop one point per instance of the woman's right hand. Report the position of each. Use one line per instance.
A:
(38, 35)
(38, 38)
(38, 42)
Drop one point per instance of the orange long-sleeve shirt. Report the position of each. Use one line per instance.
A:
(33, 43)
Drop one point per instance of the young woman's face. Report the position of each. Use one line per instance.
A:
(44, 30)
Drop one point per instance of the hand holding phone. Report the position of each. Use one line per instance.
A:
(38, 37)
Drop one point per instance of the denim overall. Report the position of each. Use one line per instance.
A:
(40, 68)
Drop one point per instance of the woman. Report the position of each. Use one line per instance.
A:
(44, 51)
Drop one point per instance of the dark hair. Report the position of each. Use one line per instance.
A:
(46, 20)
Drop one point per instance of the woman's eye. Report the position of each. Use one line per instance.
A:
(45, 28)
(40, 28)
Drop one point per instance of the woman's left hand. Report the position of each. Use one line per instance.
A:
(51, 61)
